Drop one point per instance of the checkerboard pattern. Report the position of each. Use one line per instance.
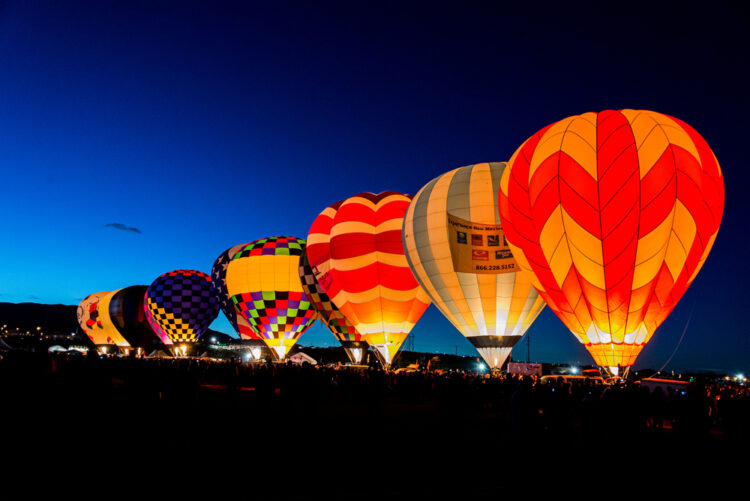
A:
(219, 286)
(154, 324)
(182, 304)
(219, 289)
(272, 246)
(276, 314)
(337, 323)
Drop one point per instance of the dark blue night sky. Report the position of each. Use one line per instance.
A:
(209, 124)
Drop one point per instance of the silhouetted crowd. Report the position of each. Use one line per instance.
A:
(100, 391)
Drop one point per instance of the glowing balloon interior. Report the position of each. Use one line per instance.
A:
(455, 247)
(94, 319)
(264, 284)
(614, 213)
(358, 259)
(353, 342)
(219, 285)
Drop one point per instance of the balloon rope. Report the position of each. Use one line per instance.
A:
(681, 337)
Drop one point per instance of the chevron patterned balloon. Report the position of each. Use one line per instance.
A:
(614, 213)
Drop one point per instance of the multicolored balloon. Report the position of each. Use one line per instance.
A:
(614, 213)
(127, 311)
(353, 342)
(455, 247)
(262, 280)
(180, 305)
(118, 318)
(248, 334)
(357, 256)
(93, 317)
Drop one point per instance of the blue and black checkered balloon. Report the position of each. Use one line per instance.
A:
(219, 286)
(182, 304)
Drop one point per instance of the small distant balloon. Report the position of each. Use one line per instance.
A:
(95, 321)
(118, 318)
(181, 305)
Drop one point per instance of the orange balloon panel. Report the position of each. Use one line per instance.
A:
(614, 213)
(357, 255)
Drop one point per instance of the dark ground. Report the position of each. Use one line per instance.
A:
(270, 431)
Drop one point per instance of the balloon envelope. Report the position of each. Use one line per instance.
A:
(94, 318)
(219, 285)
(353, 342)
(614, 213)
(263, 282)
(181, 305)
(127, 312)
(456, 249)
(357, 255)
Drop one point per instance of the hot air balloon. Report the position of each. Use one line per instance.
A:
(456, 249)
(353, 342)
(614, 213)
(118, 318)
(93, 317)
(181, 305)
(358, 259)
(247, 333)
(262, 280)
(127, 311)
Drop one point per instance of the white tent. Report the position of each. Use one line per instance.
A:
(300, 358)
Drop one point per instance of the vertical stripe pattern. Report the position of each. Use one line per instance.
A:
(493, 307)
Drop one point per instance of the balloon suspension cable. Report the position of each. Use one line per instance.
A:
(684, 331)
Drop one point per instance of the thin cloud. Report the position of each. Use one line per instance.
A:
(122, 227)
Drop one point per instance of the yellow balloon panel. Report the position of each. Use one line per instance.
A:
(263, 282)
(94, 319)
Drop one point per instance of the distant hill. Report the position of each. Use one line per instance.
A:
(29, 316)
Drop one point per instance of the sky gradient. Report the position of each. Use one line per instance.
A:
(203, 126)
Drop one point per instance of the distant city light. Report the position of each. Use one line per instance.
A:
(574, 370)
